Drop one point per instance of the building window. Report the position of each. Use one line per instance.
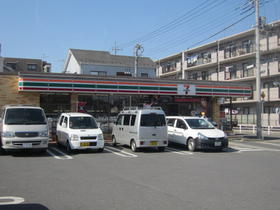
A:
(194, 76)
(32, 67)
(124, 74)
(230, 72)
(98, 73)
(144, 75)
(247, 46)
(12, 65)
(248, 70)
(204, 75)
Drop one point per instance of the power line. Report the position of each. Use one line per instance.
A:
(173, 24)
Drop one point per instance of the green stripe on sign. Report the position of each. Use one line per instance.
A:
(239, 91)
(168, 88)
(60, 85)
(128, 87)
(84, 86)
(148, 88)
(34, 84)
(107, 86)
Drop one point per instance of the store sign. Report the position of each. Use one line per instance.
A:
(186, 89)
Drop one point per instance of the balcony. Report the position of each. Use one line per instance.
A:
(273, 94)
(274, 68)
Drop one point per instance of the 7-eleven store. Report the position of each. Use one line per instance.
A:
(104, 97)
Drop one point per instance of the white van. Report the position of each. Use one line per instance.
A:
(140, 127)
(195, 133)
(77, 131)
(23, 127)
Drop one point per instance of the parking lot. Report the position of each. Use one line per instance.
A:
(244, 176)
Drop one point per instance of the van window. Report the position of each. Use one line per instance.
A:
(181, 124)
(61, 120)
(119, 120)
(66, 121)
(170, 122)
(153, 119)
(199, 124)
(133, 118)
(126, 120)
(82, 123)
(24, 116)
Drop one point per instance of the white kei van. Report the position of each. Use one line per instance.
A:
(77, 131)
(23, 127)
(140, 127)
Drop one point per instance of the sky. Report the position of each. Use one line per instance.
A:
(46, 29)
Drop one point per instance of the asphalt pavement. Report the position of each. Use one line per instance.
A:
(244, 176)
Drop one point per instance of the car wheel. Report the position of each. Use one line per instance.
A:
(100, 149)
(161, 149)
(43, 151)
(191, 145)
(133, 146)
(68, 147)
(114, 141)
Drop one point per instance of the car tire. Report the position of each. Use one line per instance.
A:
(100, 149)
(161, 149)
(133, 146)
(43, 151)
(191, 144)
(68, 148)
(114, 141)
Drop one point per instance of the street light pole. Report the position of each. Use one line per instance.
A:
(258, 73)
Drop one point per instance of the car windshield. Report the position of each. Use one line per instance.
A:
(82, 123)
(24, 116)
(153, 119)
(199, 124)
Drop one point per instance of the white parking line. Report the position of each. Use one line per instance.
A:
(180, 152)
(63, 157)
(7, 200)
(269, 143)
(250, 148)
(119, 152)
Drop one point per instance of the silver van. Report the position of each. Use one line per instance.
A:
(140, 128)
(23, 127)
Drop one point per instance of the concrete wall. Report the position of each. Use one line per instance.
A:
(11, 95)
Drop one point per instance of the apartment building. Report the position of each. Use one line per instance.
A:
(233, 59)
(8, 64)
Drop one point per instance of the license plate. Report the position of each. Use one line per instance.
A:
(153, 143)
(218, 144)
(84, 144)
(27, 145)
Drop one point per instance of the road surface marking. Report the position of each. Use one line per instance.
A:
(269, 143)
(119, 152)
(249, 148)
(7, 200)
(180, 152)
(63, 157)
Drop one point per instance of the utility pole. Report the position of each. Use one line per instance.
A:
(115, 49)
(258, 72)
(138, 50)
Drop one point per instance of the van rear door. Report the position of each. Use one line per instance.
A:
(152, 127)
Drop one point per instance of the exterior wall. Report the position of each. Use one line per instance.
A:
(112, 70)
(11, 95)
(73, 66)
(1, 64)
